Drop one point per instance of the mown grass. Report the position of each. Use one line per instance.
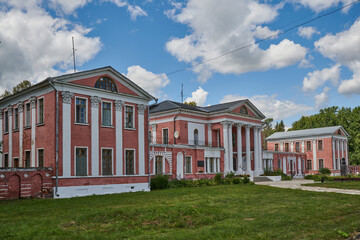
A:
(217, 212)
(343, 185)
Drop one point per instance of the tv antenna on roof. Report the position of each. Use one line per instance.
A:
(73, 48)
(182, 93)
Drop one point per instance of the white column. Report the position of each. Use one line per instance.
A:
(291, 146)
(284, 165)
(10, 110)
(208, 165)
(342, 149)
(260, 151)
(281, 146)
(218, 164)
(118, 137)
(239, 147)
(333, 154)
(153, 133)
(141, 138)
(1, 136)
(346, 152)
(209, 134)
(314, 155)
(226, 146)
(256, 152)
(95, 156)
(33, 131)
(299, 165)
(302, 146)
(21, 132)
(248, 159)
(66, 132)
(231, 154)
(338, 153)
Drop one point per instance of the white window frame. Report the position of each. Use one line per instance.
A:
(37, 156)
(323, 162)
(191, 168)
(87, 160)
(128, 105)
(38, 110)
(162, 135)
(25, 115)
(112, 160)
(111, 114)
(86, 110)
(124, 163)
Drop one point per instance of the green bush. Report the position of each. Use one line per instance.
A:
(230, 175)
(236, 181)
(277, 172)
(218, 178)
(325, 171)
(285, 177)
(246, 180)
(159, 182)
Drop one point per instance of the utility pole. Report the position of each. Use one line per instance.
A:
(182, 93)
(73, 48)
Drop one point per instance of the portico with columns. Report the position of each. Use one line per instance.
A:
(239, 147)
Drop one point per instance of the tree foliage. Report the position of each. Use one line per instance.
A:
(21, 86)
(348, 118)
(191, 103)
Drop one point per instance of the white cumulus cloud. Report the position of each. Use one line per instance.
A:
(35, 45)
(315, 79)
(320, 5)
(307, 32)
(344, 48)
(199, 96)
(218, 28)
(272, 107)
(322, 98)
(149, 81)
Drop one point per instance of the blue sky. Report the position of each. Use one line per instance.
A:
(291, 75)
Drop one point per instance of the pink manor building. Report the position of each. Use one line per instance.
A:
(88, 130)
(320, 148)
(196, 142)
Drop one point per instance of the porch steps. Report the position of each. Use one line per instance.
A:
(262, 179)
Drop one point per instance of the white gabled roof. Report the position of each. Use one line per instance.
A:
(307, 133)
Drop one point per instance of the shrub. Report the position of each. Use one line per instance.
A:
(285, 177)
(325, 171)
(159, 182)
(218, 178)
(230, 175)
(236, 181)
(246, 180)
(277, 172)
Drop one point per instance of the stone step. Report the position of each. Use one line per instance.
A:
(262, 179)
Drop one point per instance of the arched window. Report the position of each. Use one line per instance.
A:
(243, 110)
(196, 137)
(106, 83)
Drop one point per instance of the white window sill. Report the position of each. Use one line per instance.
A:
(133, 129)
(107, 126)
(83, 124)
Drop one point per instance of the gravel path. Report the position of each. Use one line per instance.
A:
(296, 184)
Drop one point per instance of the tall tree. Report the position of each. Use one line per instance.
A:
(191, 103)
(21, 86)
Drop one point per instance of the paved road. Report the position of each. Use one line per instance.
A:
(296, 184)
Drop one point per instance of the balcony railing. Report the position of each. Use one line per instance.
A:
(179, 141)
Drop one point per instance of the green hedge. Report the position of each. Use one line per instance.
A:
(162, 182)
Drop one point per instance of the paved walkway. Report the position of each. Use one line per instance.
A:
(296, 184)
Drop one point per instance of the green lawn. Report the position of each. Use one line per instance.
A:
(217, 212)
(342, 185)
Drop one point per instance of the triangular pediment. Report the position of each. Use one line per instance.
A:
(246, 108)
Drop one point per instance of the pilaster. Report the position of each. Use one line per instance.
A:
(231, 153)
(95, 155)
(119, 105)
(20, 106)
(209, 134)
(66, 132)
(239, 148)
(10, 111)
(226, 146)
(141, 138)
(315, 165)
(248, 158)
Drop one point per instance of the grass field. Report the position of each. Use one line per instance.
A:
(342, 185)
(218, 212)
